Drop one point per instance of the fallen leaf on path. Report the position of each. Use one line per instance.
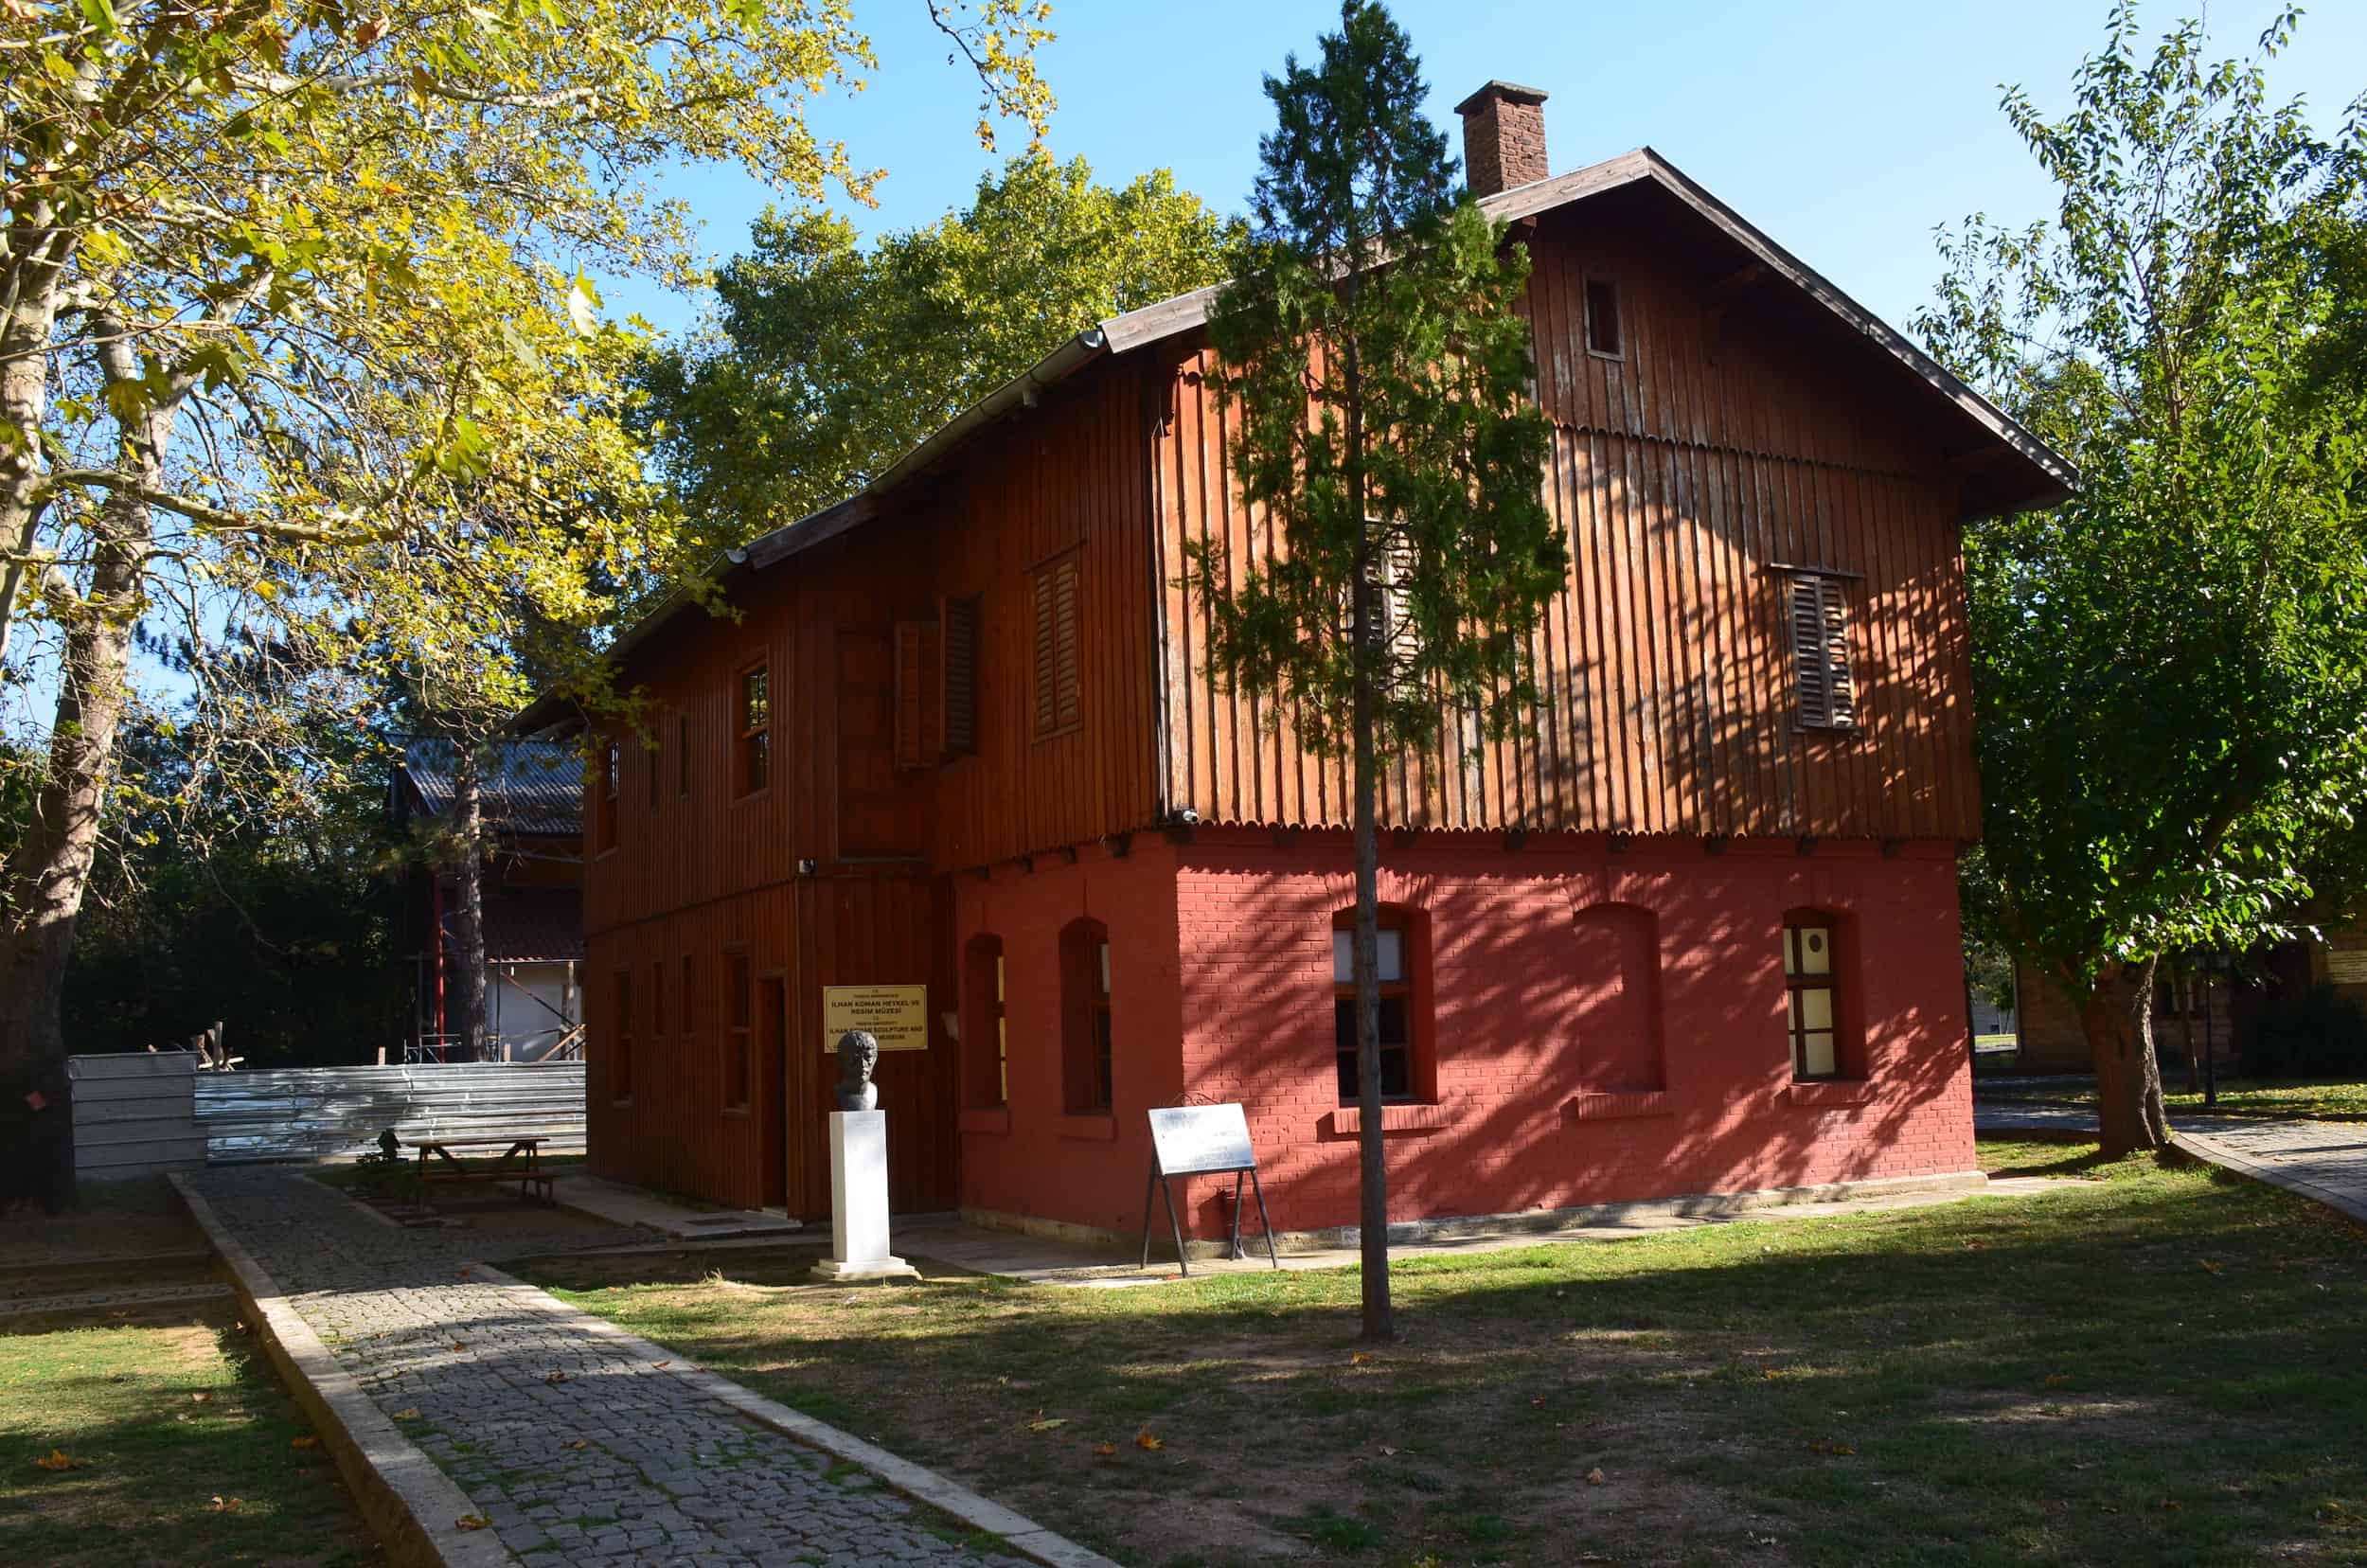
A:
(1047, 1424)
(58, 1459)
(1103, 1450)
(554, 1377)
(460, 1345)
(580, 1443)
(662, 1365)
(2059, 1380)
(411, 1413)
(1359, 1357)
(1388, 1452)
(1976, 1244)
(2214, 1268)
(1595, 1476)
(1147, 1440)
(225, 1505)
(202, 1398)
(472, 1522)
(307, 1441)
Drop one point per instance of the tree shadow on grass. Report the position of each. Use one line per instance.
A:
(2031, 1371)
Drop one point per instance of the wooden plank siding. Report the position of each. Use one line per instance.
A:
(704, 872)
(676, 1132)
(1071, 476)
(1732, 434)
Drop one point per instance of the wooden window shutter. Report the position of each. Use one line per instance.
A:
(1060, 699)
(957, 652)
(916, 692)
(1817, 617)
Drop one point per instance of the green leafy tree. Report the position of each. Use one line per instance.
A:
(829, 360)
(203, 909)
(281, 282)
(2171, 667)
(1374, 346)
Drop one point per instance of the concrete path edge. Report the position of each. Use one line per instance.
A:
(412, 1506)
(1023, 1534)
(2226, 1158)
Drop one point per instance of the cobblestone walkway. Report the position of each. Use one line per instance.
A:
(2327, 1161)
(577, 1450)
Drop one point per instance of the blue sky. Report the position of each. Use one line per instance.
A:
(1845, 130)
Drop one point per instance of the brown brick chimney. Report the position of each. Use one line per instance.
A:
(1503, 138)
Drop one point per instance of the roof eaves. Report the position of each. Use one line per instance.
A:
(1186, 311)
(2057, 468)
(1020, 391)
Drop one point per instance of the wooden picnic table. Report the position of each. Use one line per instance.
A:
(520, 1160)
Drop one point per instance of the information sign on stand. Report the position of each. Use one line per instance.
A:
(1203, 1140)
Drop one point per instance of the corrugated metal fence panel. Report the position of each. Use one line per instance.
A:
(133, 1115)
(299, 1113)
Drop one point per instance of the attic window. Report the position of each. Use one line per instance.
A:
(1602, 317)
(604, 817)
(1817, 622)
(1058, 694)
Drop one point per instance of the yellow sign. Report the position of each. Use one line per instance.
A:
(897, 1016)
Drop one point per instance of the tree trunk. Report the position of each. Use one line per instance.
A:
(1364, 633)
(467, 870)
(2117, 1018)
(50, 866)
(25, 355)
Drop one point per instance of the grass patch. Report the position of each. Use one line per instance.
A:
(159, 1421)
(2312, 1099)
(2147, 1363)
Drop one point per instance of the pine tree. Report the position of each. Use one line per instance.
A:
(1373, 348)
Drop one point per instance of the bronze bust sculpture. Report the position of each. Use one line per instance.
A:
(858, 1054)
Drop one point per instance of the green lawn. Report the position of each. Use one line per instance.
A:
(2315, 1100)
(2148, 1364)
(179, 1448)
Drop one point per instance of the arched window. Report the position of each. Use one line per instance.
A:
(985, 1043)
(1617, 981)
(1404, 1015)
(1085, 1030)
(1816, 1004)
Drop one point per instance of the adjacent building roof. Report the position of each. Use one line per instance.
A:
(530, 925)
(527, 786)
(2021, 471)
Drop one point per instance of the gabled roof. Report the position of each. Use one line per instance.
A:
(527, 786)
(2036, 473)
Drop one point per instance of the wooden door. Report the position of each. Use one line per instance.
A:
(778, 1092)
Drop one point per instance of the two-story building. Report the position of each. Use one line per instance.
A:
(1696, 932)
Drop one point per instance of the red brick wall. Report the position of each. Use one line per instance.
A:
(1030, 1159)
(1539, 1068)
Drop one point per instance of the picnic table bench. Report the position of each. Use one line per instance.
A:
(521, 1161)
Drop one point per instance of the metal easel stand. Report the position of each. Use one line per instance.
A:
(1158, 1179)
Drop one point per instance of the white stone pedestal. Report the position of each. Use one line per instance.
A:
(858, 1200)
